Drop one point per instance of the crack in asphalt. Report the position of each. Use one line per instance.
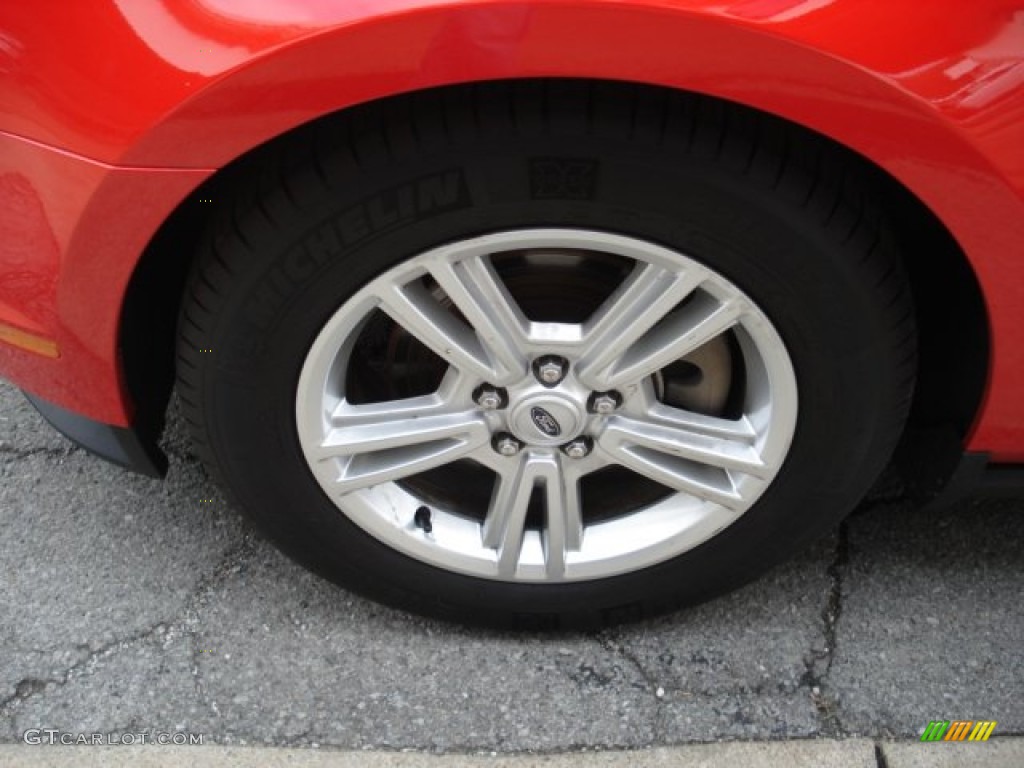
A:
(189, 621)
(818, 662)
(10, 452)
(184, 622)
(46, 651)
(615, 646)
(298, 740)
(31, 686)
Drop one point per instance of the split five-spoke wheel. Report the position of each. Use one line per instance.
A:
(543, 405)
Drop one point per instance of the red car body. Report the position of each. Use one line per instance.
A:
(115, 116)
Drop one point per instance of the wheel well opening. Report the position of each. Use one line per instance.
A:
(953, 354)
(953, 343)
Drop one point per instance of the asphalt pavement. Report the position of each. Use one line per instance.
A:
(135, 606)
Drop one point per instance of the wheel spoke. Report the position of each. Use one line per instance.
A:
(345, 414)
(696, 458)
(488, 343)
(677, 335)
(420, 313)
(693, 481)
(505, 526)
(689, 328)
(564, 519)
(480, 295)
(673, 440)
(739, 431)
(644, 299)
(392, 445)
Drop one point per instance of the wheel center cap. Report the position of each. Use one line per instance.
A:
(546, 419)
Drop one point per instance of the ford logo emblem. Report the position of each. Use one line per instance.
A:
(545, 422)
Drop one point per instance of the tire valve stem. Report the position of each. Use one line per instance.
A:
(422, 519)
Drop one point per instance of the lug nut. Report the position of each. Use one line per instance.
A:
(490, 398)
(604, 402)
(505, 444)
(578, 448)
(550, 369)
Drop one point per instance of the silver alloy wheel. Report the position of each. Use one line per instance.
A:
(453, 301)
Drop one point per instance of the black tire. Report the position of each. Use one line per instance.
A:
(781, 213)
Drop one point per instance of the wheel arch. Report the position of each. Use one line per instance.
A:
(832, 69)
(944, 409)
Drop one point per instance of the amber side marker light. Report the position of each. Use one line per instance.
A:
(38, 344)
